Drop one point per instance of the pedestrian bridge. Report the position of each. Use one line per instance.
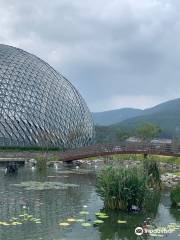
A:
(121, 148)
(95, 151)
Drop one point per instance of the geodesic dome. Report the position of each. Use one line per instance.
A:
(38, 106)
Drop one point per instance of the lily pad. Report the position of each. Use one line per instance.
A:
(13, 218)
(84, 212)
(86, 224)
(20, 220)
(71, 220)
(121, 221)
(16, 223)
(64, 224)
(98, 213)
(33, 185)
(102, 216)
(5, 224)
(98, 221)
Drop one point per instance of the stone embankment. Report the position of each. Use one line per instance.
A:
(169, 178)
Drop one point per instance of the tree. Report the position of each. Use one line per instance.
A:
(122, 135)
(148, 131)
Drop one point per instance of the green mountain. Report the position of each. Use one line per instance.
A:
(165, 115)
(115, 116)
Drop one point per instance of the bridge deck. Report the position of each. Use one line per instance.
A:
(109, 149)
(101, 150)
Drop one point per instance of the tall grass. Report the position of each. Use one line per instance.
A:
(121, 188)
(41, 163)
(152, 171)
(175, 196)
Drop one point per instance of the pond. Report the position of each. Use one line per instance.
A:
(35, 206)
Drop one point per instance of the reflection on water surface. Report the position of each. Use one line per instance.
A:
(40, 201)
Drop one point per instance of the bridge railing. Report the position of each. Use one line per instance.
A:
(123, 147)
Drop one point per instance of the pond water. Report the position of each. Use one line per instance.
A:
(31, 210)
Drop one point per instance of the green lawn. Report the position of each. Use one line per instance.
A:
(177, 173)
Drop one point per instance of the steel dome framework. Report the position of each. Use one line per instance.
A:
(38, 106)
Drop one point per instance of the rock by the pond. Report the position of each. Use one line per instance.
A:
(169, 166)
(31, 162)
(170, 179)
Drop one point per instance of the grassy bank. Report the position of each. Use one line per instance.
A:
(140, 157)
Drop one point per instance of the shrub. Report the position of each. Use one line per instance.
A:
(175, 196)
(121, 188)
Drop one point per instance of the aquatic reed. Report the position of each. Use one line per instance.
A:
(152, 171)
(175, 196)
(122, 188)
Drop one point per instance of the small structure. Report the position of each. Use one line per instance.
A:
(133, 140)
(162, 141)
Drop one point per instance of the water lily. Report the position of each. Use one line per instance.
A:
(103, 216)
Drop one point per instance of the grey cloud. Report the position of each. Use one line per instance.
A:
(105, 48)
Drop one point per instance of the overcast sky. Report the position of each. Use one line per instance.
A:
(118, 53)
